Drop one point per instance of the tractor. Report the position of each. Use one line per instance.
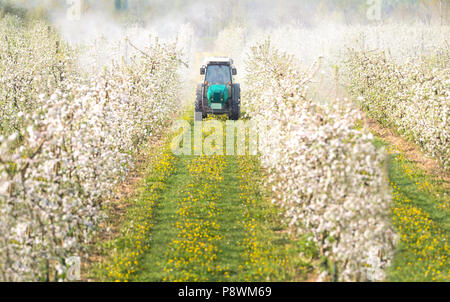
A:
(218, 94)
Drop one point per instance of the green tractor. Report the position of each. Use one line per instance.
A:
(218, 94)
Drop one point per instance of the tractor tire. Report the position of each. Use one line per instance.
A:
(235, 110)
(199, 113)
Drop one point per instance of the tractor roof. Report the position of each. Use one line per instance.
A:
(218, 60)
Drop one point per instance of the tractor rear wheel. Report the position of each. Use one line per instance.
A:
(199, 113)
(235, 110)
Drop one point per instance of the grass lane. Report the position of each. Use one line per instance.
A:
(198, 224)
(205, 218)
(230, 221)
(156, 258)
(420, 214)
(221, 227)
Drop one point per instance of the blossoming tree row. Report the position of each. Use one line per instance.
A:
(328, 176)
(413, 97)
(68, 139)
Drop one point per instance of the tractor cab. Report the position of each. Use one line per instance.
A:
(218, 70)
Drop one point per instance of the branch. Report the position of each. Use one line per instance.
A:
(312, 73)
(38, 149)
(141, 51)
(7, 170)
(147, 55)
(184, 63)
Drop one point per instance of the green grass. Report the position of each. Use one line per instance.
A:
(420, 215)
(163, 231)
(281, 254)
(230, 221)
(228, 218)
